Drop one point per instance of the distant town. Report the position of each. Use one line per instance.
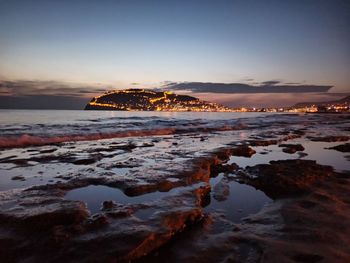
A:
(149, 100)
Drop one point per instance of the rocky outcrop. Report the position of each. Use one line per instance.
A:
(345, 148)
(288, 177)
(314, 220)
(291, 148)
(244, 151)
(339, 138)
(43, 225)
(310, 208)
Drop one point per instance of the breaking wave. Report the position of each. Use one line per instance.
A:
(25, 140)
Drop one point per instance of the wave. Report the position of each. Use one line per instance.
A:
(119, 118)
(25, 140)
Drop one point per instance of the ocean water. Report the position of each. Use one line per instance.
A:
(39, 127)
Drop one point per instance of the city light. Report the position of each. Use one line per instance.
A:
(149, 100)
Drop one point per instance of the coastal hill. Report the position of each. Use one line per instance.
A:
(345, 100)
(149, 100)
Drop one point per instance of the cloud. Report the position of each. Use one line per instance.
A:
(272, 86)
(270, 82)
(248, 79)
(54, 88)
(268, 99)
(29, 94)
(168, 83)
(43, 102)
(292, 83)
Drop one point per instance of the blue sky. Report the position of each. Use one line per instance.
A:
(117, 43)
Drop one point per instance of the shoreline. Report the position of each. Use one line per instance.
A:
(308, 200)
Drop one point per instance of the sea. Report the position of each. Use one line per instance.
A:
(40, 127)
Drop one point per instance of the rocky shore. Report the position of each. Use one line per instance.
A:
(169, 212)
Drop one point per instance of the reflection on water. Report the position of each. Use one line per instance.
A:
(315, 151)
(242, 200)
(20, 117)
(94, 195)
(264, 154)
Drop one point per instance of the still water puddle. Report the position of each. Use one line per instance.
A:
(263, 155)
(95, 195)
(317, 151)
(241, 201)
(314, 151)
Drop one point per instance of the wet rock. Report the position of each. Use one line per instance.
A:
(49, 158)
(32, 150)
(85, 161)
(96, 221)
(18, 177)
(288, 177)
(291, 137)
(102, 149)
(108, 205)
(130, 163)
(292, 148)
(42, 215)
(47, 225)
(48, 150)
(330, 139)
(287, 136)
(341, 148)
(223, 168)
(65, 176)
(63, 158)
(223, 154)
(307, 258)
(243, 150)
(116, 210)
(114, 146)
(221, 190)
(262, 142)
(145, 144)
(8, 158)
(299, 132)
(20, 162)
(236, 229)
(302, 154)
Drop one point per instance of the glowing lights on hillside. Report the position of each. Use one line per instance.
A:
(93, 103)
(149, 100)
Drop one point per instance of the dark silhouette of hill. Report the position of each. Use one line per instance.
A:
(323, 103)
(149, 100)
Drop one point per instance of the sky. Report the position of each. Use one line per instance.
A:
(76, 49)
